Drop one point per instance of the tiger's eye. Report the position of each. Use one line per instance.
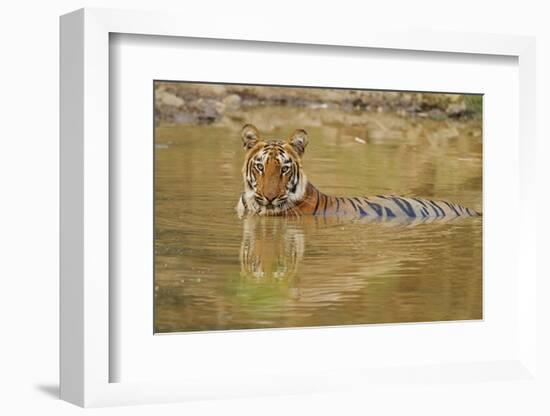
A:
(260, 167)
(285, 169)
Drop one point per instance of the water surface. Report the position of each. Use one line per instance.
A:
(215, 271)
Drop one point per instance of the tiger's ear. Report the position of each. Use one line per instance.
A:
(298, 141)
(250, 136)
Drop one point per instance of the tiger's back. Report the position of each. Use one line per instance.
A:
(382, 206)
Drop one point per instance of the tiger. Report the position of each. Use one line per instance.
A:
(275, 184)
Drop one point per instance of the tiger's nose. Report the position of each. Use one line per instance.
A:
(270, 200)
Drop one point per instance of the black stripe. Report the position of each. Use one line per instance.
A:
(296, 176)
(295, 179)
(389, 212)
(249, 173)
(438, 207)
(325, 208)
(293, 189)
(424, 211)
(360, 207)
(362, 212)
(436, 212)
(352, 203)
(337, 204)
(405, 206)
(317, 204)
(421, 202)
(452, 207)
(376, 207)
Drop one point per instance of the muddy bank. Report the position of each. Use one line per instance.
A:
(187, 103)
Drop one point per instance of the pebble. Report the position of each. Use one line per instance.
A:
(169, 99)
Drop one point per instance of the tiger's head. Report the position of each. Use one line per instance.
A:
(273, 177)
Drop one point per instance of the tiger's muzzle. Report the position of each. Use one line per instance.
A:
(271, 203)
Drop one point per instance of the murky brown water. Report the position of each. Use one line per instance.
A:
(216, 271)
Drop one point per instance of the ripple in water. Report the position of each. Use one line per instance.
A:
(215, 271)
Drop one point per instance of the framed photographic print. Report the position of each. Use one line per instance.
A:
(270, 224)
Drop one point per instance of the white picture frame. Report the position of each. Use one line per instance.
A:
(85, 206)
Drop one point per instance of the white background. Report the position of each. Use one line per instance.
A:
(192, 356)
(29, 209)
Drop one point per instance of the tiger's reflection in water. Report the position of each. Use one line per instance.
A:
(271, 251)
